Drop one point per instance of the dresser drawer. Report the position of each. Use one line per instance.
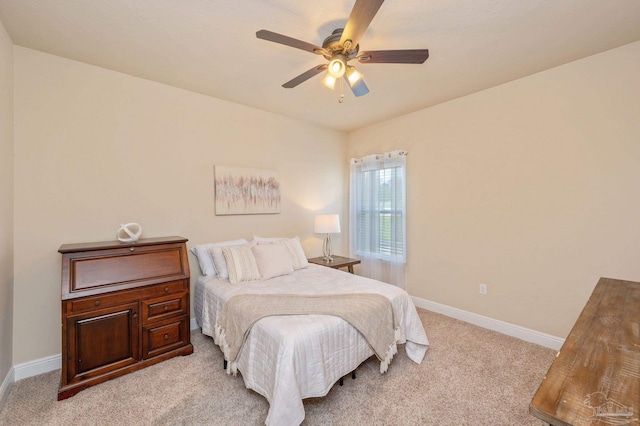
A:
(113, 299)
(165, 336)
(164, 307)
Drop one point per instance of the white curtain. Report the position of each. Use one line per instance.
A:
(377, 212)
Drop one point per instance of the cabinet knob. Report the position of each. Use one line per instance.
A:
(96, 303)
(132, 249)
(166, 289)
(135, 315)
(166, 337)
(166, 308)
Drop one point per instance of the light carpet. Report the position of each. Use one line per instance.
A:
(470, 376)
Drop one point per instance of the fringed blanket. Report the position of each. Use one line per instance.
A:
(370, 314)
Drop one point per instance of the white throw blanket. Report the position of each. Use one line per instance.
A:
(370, 314)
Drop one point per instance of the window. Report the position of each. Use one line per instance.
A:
(378, 217)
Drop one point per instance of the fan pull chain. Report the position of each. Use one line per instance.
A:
(341, 98)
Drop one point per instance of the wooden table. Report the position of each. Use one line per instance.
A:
(595, 379)
(338, 262)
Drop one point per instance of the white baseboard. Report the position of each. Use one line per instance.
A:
(6, 387)
(38, 366)
(50, 363)
(512, 330)
(193, 324)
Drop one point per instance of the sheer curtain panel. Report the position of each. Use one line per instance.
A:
(377, 213)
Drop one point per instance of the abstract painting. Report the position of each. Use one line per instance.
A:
(241, 190)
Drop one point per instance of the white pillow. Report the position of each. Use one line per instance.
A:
(294, 248)
(273, 260)
(241, 264)
(205, 260)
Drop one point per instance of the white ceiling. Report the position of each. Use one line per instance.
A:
(210, 47)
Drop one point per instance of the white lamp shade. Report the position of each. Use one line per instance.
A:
(327, 224)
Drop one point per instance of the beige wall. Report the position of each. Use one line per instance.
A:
(95, 148)
(6, 203)
(530, 188)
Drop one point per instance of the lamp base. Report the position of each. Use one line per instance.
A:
(326, 249)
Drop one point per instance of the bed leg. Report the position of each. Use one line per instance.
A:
(224, 365)
(341, 381)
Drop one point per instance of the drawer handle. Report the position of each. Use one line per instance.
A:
(166, 337)
(132, 249)
(166, 308)
(166, 289)
(96, 303)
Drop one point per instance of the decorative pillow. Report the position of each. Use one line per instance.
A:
(294, 248)
(205, 260)
(273, 260)
(241, 264)
(220, 262)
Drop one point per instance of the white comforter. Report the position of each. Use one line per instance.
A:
(288, 358)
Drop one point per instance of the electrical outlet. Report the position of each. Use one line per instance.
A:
(483, 289)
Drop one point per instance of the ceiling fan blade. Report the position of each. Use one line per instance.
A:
(289, 41)
(361, 16)
(411, 56)
(304, 76)
(359, 88)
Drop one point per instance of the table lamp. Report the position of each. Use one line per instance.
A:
(327, 224)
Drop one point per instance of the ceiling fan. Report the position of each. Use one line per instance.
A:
(342, 46)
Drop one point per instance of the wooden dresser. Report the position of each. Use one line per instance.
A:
(125, 306)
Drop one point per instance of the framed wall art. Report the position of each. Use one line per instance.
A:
(241, 190)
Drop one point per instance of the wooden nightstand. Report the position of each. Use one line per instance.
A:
(338, 262)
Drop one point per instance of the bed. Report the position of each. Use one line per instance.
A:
(287, 358)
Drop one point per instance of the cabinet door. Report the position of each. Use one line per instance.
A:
(101, 341)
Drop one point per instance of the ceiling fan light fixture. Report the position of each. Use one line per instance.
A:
(343, 46)
(337, 65)
(329, 81)
(353, 76)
